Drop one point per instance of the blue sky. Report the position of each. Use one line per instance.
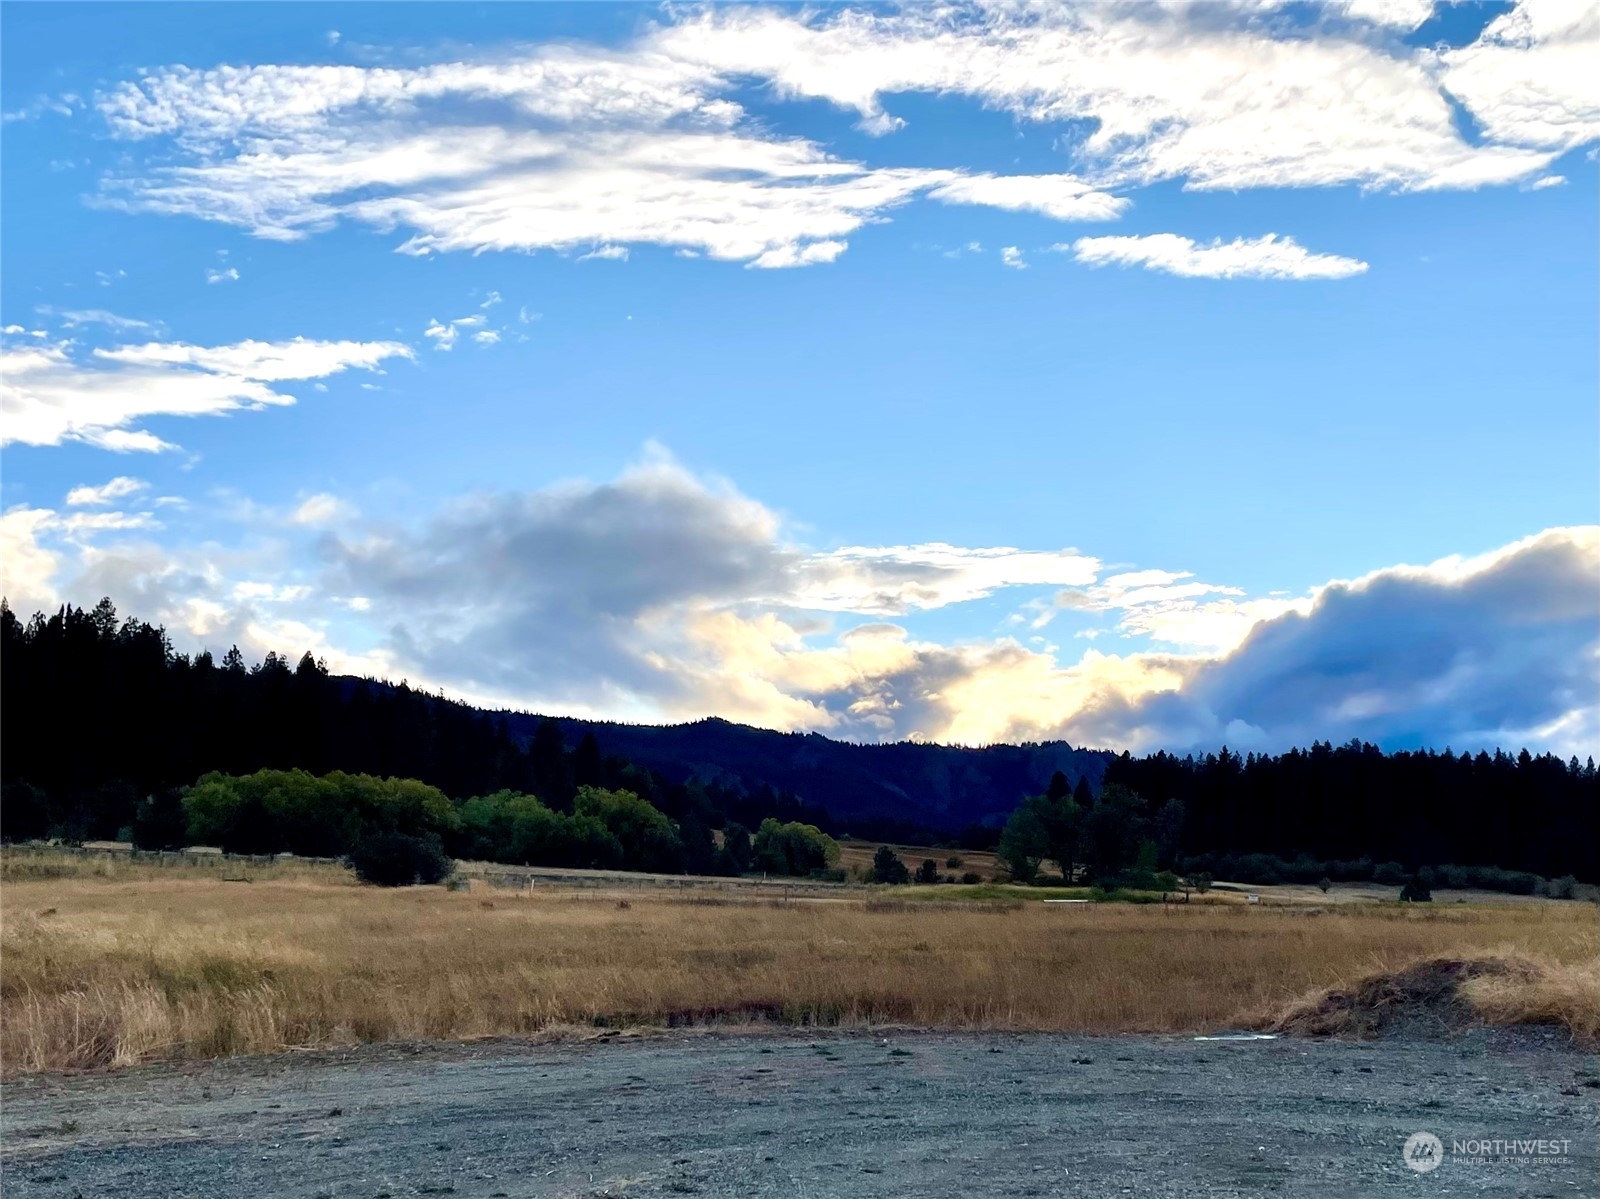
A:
(618, 323)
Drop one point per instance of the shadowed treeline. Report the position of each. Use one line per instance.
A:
(99, 713)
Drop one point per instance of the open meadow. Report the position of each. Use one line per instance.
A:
(109, 964)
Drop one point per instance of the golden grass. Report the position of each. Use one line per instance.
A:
(111, 971)
(33, 865)
(856, 857)
(1565, 994)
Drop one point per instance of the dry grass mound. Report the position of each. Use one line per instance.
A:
(1445, 996)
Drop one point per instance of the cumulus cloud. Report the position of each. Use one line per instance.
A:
(52, 394)
(1266, 257)
(661, 595)
(207, 598)
(28, 565)
(1496, 648)
(230, 275)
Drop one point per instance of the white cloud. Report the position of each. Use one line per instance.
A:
(1466, 651)
(52, 395)
(558, 147)
(664, 596)
(807, 255)
(608, 253)
(1064, 197)
(98, 497)
(1266, 257)
(1011, 256)
(95, 316)
(1211, 94)
(321, 509)
(894, 580)
(230, 275)
(445, 334)
(27, 565)
(1529, 79)
(567, 146)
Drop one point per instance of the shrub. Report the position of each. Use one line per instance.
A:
(928, 872)
(971, 877)
(1562, 888)
(398, 860)
(159, 822)
(1417, 889)
(1324, 883)
(888, 868)
(736, 847)
(1201, 881)
(952, 862)
(1390, 874)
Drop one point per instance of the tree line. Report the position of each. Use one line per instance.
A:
(1220, 816)
(98, 714)
(1347, 803)
(402, 830)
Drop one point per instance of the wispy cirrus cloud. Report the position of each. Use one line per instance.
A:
(51, 392)
(571, 146)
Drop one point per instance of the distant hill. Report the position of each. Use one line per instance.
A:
(938, 786)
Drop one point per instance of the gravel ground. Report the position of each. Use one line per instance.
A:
(765, 1115)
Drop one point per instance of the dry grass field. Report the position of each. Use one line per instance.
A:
(113, 966)
(856, 856)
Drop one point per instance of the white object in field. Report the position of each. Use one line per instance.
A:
(1241, 1036)
(1063, 901)
(1252, 899)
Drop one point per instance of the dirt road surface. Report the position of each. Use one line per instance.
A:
(764, 1116)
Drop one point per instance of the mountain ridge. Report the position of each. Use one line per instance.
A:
(939, 786)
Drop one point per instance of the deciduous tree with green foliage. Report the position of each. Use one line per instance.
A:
(273, 811)
(794, 849)
(1043, 828)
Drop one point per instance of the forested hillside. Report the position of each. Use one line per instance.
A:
(100, 712)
